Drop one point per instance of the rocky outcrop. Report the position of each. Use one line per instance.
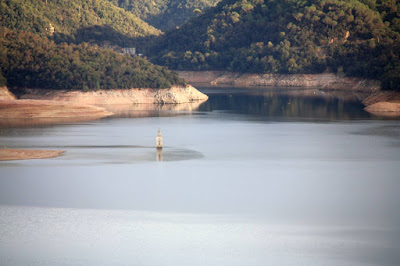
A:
(179, 95)
(174, 95)
(382, 96)
(386, 109)
(383, 107)
(5, 94)
(322, 81)
(383, 103)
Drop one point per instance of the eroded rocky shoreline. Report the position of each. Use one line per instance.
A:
(328, 81)
(173, 95)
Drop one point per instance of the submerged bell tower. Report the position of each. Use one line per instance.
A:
(159, 140)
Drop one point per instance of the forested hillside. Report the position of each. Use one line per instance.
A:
(33, 61)
(359, 38)
(74, 21)
(165, 14)
(32, 56)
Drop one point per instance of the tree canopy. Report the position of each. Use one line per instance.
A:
(75, 21)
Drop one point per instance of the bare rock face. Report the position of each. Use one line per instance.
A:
(179, 95)
(382, 96)
(383, 103)
(323, 81)
(174, 95)
(5, 94)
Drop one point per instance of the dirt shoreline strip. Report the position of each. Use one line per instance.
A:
(19, 154)
(33, 109)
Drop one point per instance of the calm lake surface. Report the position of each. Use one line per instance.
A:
(250, 177)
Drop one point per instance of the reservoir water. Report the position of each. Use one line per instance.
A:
(250, 177)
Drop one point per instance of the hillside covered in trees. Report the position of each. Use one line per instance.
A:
(75, 21)
(33, 61)
(32, 56)
(165, 14)
(355, 37)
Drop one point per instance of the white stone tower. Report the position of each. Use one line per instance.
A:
(159, 140)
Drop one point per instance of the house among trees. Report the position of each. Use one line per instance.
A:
(129, 50)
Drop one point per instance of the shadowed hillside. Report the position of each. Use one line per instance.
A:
(165, 14)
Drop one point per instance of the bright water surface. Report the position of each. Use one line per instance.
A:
(250, 177)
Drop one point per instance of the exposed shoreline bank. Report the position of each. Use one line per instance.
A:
(47, 109)
(383, 103)
(173, 95)
(328, 81)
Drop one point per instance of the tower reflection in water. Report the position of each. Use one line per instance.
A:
(159, 146)
(159, 155)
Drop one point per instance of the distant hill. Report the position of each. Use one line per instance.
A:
(165, 14)
(74, 21)
(359, 38)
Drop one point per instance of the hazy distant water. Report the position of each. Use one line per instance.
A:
(250, 177)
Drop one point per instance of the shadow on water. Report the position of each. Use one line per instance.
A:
(286, 104)
(387, 131)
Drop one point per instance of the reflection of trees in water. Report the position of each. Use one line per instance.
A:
(304, 104)
(151, 110)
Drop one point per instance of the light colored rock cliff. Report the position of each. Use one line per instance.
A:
(383, 107)
(5, 94)
(382, 96)
(386, 109)
(383, 103)
(174, 95)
